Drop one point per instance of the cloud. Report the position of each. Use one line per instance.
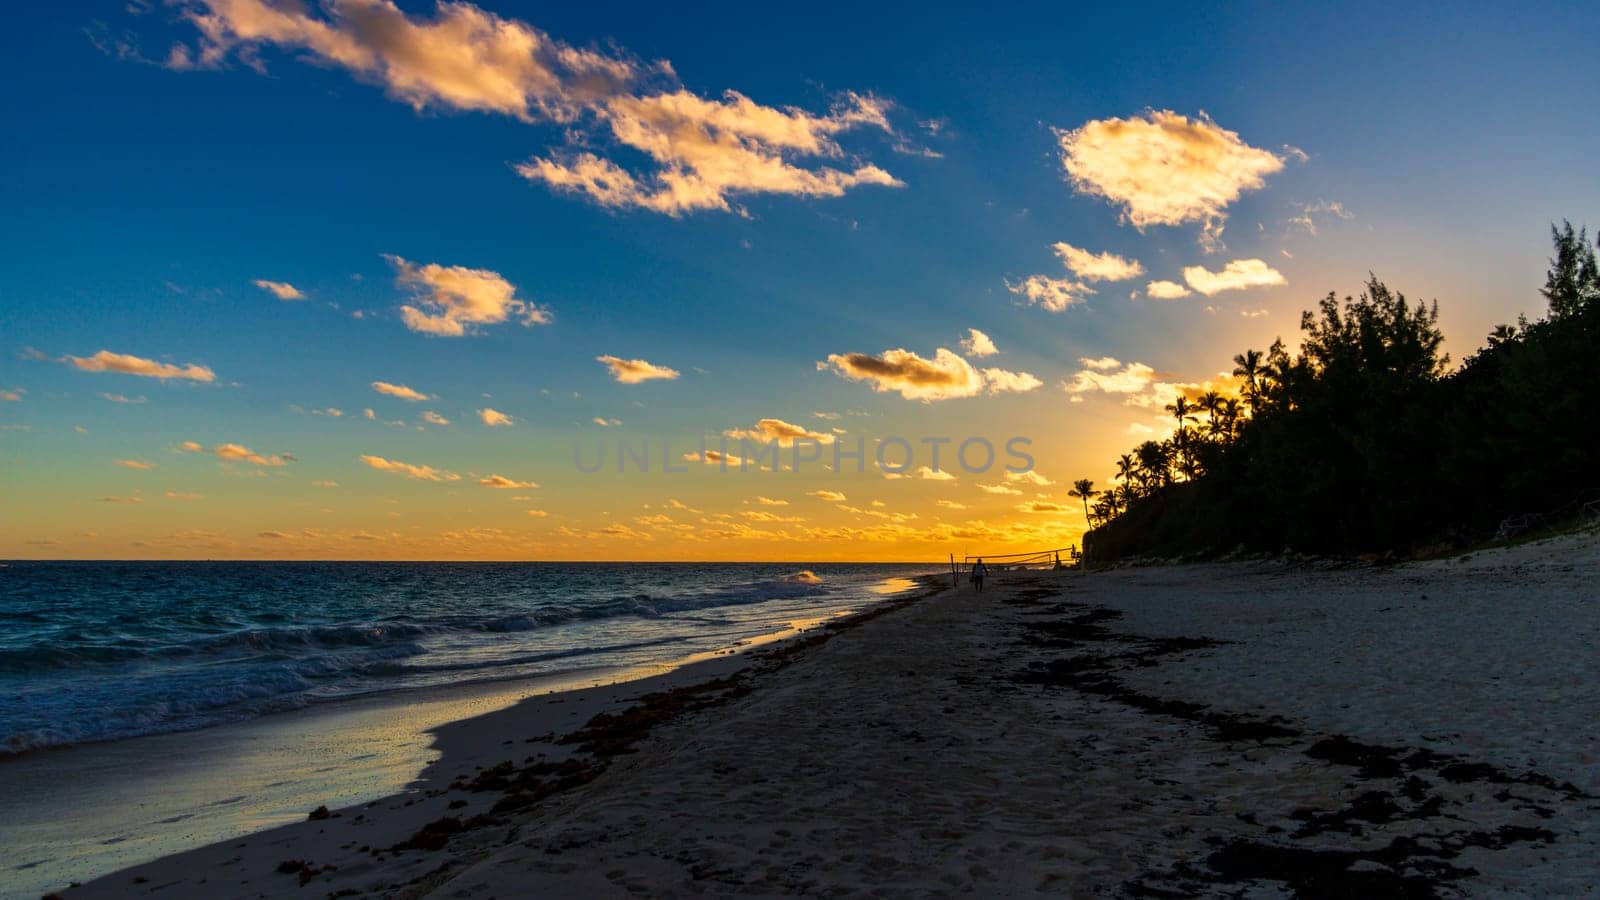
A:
(768, 501)
(13, 395)
(1031, 476)
(1166, 290)
(433, 418)
(1054, 294)
(943, 377)
(762, 516)
(501, 482)
(399, 390)
(785, 433)
(139, 464)
(633, 371)
(999, 489)
(106, 361)
(1235, 276)
(121, 499)
(1109, 376)
(830, 496)
(191, 447)
(537, 513)
(452, 301)
(283, 290)
(716, 457)
(604, 422)
(686, 152)
(928, 473)
(1097, 266)
(325, 484)
(421, 473)
(184, 495)
(1163, 168)
(1000, 380)
(1041, 506)
(950, 504)
(976, 343)
(122, 398)
(240, 453)
(494, 418)
(1307, 213)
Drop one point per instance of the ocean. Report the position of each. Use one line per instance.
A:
(97, 651)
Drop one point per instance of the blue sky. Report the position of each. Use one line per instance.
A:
(142, 200)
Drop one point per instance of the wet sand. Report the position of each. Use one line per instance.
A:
(1256, 727)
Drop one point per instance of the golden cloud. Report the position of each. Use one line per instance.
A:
(1235, 276)
(283, 290)
(702, 152)
(1109, 376)
(421, 473)
(494, 418)
(14, 395)
(399, 390)
(830, 496)
(502, 482)
(139, 464)
(452, 301)
(945, 376)
(633, 371)
(1163, 168)
(1097, 266)
(433, 418)
(1000, 381)
(976, 343)
(106, 361)
(785, 433)
(1166, 290)
(240, 453)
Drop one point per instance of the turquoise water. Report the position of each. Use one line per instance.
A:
(94, 651)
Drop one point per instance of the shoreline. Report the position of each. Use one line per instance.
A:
(1415, 729)
(199, 788)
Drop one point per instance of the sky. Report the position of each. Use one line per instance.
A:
(351, 279)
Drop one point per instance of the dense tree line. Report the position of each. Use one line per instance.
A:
(1364, 440)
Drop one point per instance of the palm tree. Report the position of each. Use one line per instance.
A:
(1125, 469)
(1247, 365)
(1083, 488)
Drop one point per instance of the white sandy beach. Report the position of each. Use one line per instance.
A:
(1247, 726)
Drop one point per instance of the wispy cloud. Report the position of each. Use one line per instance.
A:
(283, 290)
(452, 301)
(433, 418)
(13, 395)
(420, 473)
(241, 453)
(501, 482)
(830, 496)
(634, 371)
(1097, 266)
(139, 464)
(106, 361)
(1054, 294)
(494, 418)
(399, 390)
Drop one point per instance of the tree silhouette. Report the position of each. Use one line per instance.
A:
(1083, 489)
